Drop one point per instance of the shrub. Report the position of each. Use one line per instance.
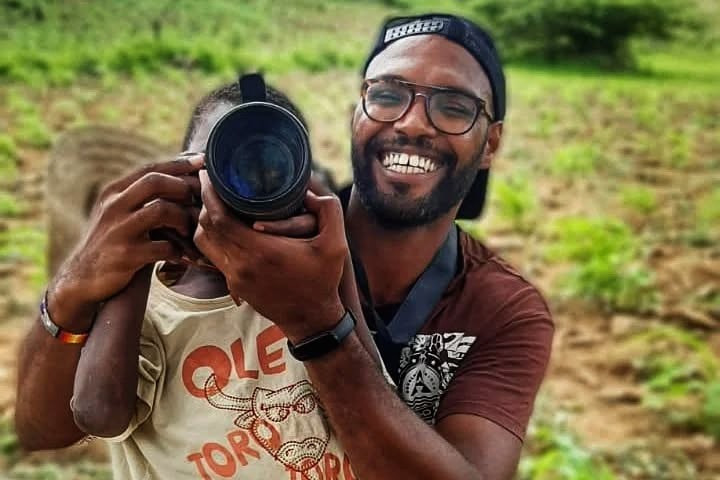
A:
(562, 29)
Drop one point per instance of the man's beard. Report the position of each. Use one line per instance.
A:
(394, 211)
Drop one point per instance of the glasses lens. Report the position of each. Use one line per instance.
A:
(386, 101)
(452, 112)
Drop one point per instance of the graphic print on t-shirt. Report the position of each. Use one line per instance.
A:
(427, 365)
(266, 413)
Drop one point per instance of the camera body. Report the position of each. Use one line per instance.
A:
(258, 156)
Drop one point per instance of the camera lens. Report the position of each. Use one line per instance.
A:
(258, 159)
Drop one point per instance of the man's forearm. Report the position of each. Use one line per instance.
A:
(384, 439)
(46, 371)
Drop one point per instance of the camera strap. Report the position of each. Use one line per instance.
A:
(419, 303)
(252, 86)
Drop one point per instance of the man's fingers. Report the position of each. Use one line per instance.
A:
(185, 164)
(159, 214)
(217, 216)
(326, 208)
(318, 185)
(304, 225)
(158, 185)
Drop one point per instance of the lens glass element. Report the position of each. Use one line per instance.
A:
(262, 166)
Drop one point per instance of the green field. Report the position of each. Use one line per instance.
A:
(607, 194)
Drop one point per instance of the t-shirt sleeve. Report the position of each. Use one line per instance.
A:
(151, 367)
(499, 377)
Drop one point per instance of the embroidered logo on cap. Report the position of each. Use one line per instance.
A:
(433, 25)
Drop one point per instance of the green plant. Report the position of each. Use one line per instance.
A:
(8, 159)
(563, 29)
(516, 202)
(557, 454)
(575, 160)
(680, 374)
(9, 206)
(25, 245)
(32, 131)
(639, 199)
(607, 263)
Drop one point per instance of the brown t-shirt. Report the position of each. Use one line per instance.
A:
(484, 348)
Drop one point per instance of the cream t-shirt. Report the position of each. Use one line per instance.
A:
(220, 396)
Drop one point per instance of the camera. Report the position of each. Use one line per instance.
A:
(258, 156)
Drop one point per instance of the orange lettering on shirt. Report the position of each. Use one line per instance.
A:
(318, 474)
(240, 443)
(331, 466)
(238, 354)
(227, 468)
(347, 468)
(197, 458)
(267, 337)
(210, 357)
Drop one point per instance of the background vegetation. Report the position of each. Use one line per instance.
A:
(606, 194)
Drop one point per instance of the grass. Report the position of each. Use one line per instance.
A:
(149, 37)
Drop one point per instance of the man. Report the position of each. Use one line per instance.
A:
(426, 129)
(474, 367)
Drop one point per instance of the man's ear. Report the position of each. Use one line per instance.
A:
(492, 144)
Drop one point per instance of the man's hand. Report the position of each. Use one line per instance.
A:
(118, 241)
(291, 281)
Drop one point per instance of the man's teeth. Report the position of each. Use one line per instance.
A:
(404, 163)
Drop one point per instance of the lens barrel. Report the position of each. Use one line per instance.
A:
(258, 160)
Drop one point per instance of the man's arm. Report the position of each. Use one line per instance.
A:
(383, 437)
(387, 440)
(116, 246)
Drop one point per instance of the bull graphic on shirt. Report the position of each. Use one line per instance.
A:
(271, 416)
(427, 364)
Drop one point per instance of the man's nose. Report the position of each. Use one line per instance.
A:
(416, 122)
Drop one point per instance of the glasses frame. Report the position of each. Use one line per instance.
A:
(479, 102)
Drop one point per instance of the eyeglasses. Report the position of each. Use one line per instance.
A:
(448, 110)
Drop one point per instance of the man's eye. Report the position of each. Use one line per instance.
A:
(386, 97)
(456, 110)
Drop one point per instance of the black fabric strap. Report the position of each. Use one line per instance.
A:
(421, 300)
(252, 87)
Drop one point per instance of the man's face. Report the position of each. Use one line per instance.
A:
(404, 200)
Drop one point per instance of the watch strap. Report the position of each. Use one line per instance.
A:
(55, 330)
(323, 342)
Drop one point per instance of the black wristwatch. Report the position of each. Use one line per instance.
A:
(324, 342)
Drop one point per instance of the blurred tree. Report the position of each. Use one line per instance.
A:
(571, 29)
